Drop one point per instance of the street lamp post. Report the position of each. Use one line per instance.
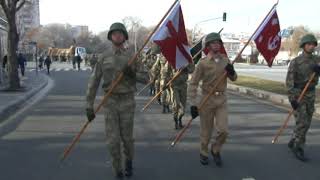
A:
(224, 19)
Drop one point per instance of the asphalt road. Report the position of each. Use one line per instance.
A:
(32, 149)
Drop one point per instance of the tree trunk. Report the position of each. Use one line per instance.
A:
(13, 39)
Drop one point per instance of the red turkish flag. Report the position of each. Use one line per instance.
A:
(268, 37)
(172, 39)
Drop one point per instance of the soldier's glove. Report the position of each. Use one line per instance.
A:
(194, 112)
(316, 69)
(127, 70)
(294, 104)
(90, 114)
(230, 69)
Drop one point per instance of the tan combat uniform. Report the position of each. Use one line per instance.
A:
(214, 114)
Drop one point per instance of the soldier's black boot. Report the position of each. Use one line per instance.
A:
(159, 101)
(299, 153)
(128, 170)
(291, 144)
(175, 119)
(119, 175)
(217, 158)
(204, 160)
(168, 109)
(180, 122)
(164, 108)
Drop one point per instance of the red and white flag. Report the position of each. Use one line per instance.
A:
(268, 37)
(172, 39)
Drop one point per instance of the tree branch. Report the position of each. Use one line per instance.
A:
(4, 7)
(20, 5)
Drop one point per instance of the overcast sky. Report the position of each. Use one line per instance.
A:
(242, 15)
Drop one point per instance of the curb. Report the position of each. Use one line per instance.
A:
(13, 106)
(277, 99)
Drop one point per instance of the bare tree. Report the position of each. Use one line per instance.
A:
(291, 44)
(133, 24)
(10, 8)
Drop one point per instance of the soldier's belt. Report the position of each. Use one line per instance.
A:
(218, 93)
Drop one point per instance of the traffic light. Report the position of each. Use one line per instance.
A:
(224, 17)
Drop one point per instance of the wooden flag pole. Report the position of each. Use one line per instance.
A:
(114, 84)
(285, 124)
(221, 78)
(147, 85)
(167, 85)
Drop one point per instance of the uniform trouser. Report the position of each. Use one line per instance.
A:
(303, 117)
(213, 116)
(119, 116)
(157, 86)
(165, 95)
(179, 100)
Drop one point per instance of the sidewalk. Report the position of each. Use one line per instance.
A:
(11, 101)
(277, 99)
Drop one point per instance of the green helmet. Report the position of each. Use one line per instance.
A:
(309, 38)
(155, 49)
(212, 37)
(118, 27)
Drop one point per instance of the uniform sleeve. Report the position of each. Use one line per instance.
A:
(194, 83)
(93, 85)
(191, 68)
(293, 92)
(233, 77)
(167, 72)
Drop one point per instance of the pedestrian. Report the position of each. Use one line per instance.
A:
(22, 63)
(299, 72)
(4, 61)
(78, 60)
(41, 60)
(120, 107)
(48, 62)
(74, 60)
(214, 115)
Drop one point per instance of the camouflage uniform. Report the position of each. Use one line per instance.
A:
(179, 93)
(299, 72)
(120, 106)
(93, 61)
(214, 113)
(149, 61)
(161, 70)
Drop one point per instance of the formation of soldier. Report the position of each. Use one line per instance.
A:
(120, 107)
